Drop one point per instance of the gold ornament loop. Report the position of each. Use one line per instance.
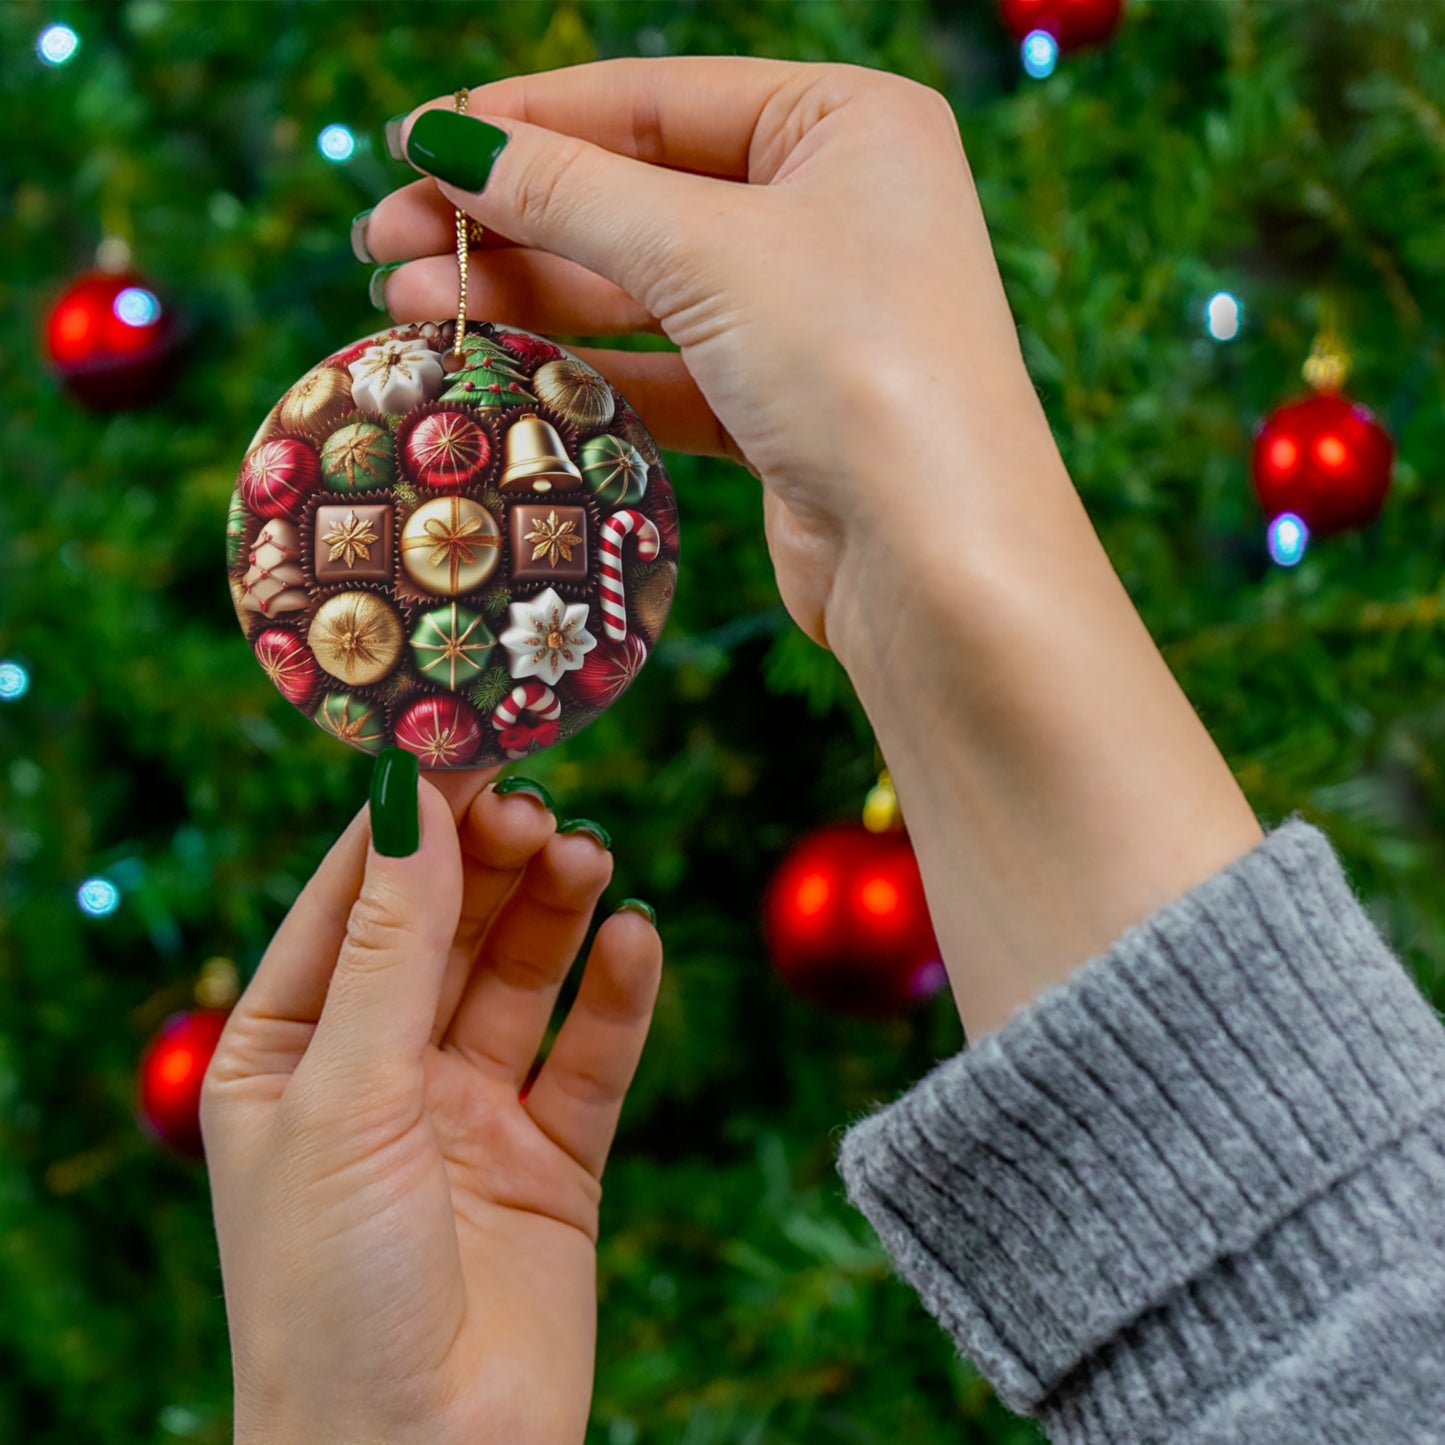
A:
(1328, 366)
(219, 985)
(881, 813)
(469, 233)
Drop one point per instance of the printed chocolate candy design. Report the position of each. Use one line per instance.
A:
(526, 719)
(434, 556)
(274, 582)
(451, 645)
(614, 471)
(549, 543)
(450, 545)
(356, 636)
(354, 720)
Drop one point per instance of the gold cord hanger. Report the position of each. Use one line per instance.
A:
(469, 233)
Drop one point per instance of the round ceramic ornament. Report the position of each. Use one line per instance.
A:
(457, 541)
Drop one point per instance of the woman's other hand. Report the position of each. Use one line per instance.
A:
(407, 1244)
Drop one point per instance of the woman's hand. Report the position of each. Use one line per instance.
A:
(841, 323)
(407, 1246)
(810, 237)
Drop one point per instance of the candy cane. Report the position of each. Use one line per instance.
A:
(614, 529)
(530, 696)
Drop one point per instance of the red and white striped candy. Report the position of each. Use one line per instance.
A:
(529, 697)
(614, 529)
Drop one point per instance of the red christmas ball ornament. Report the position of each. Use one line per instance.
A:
(1073, 23)
(111, 341)
(171, 1071)
(1326, 459)
(847, 924)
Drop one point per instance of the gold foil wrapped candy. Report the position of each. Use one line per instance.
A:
(317, 402)
(357, 637)
(575, 391)
(450, 545)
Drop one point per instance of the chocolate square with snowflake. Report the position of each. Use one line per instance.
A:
(549, 544)
(353, 543)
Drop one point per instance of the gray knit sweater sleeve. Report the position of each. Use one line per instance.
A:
(1195, 1193)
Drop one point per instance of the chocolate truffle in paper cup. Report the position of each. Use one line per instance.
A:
(430, 545)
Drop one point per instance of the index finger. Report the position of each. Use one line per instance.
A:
(698, 113)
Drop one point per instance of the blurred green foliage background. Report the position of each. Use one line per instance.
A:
(1290, 153)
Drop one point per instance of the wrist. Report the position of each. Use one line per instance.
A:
(942, 524)
(1057, 784)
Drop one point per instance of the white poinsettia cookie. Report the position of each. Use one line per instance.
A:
(547, 636)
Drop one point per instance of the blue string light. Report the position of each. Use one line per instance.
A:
(1040, 54)
(137, 307)
(1223, 316)
(98, 897)
(336, 143)
(14, 681)
(57, 44)
(1288, 538)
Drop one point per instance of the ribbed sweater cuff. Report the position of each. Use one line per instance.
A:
(1142, 1166)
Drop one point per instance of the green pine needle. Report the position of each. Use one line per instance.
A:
(490, 688)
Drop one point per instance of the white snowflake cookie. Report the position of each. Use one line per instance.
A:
(547, 636)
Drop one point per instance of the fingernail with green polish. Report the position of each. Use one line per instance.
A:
(528, 788)
(455, 148)
(377, 287)
(359, 248)
(392, 132)
(593, 830)
(636, 905)
(395, 824)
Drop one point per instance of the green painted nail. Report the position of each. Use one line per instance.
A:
(377, 288)
(395, 825)
(525, 786)
(593, 830)
(636, 905)
(393, 136)
(455, 148)
(359, 248)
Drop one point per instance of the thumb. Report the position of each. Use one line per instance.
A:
(382, 999)
(634, 224)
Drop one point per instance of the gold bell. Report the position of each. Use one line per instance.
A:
(536, 458)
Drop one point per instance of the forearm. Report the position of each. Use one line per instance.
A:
(1057, 784)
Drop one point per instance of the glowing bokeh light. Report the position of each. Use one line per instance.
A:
(879, 897)
(1331, 451)
(57, 44)
(14, 681)
(1223, 316)
(1040, 54)
(1288, 538)
(177, 1066)
(812, 895)
(137, 307)
(98, 897)
(1283, 454)
(336, 143)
